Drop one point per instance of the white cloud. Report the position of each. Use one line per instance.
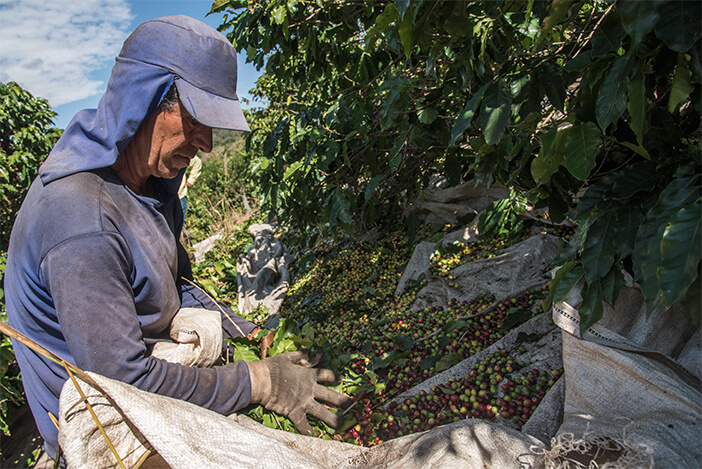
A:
(51, 48)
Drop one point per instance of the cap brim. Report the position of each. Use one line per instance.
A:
(210, 109)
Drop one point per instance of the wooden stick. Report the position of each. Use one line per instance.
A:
(23, 339)
(97, 422)
(53, 420)
(141, 460)
(218, 306)
(57, 461)
(276, 420)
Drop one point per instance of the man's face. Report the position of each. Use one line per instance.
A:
(175, 139)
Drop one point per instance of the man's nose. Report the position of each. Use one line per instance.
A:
(202, 138)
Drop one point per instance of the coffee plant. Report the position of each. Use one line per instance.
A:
(27, 135)
(223, 196)
(26, 138)
(587, 109)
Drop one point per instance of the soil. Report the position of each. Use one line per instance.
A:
(24, 448)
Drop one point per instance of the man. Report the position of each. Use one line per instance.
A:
(195, 168)
(95, 270)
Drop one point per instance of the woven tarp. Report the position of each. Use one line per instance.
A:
(183, 436)
(630, 396)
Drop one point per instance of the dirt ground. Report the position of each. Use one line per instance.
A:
(24, 447)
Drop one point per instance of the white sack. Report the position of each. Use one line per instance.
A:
(624, 385)
(450, 204)
(186, 436)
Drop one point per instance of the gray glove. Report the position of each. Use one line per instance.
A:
(286, 384)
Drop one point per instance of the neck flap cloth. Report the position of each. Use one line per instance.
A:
(173, 49)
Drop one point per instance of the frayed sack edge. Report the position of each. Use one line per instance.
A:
(592, 451)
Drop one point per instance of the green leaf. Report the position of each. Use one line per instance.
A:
(681, 250)
(565, 281)
(341, 206)
(396, 154)
(466, 116)
(243, 352)
(301, 342)
(581, 148)
(599, 250)
(494, 217)
(454, 324)
(578, 63)
(612, 284)
(286, 327)
(679, 24)
(292, 169)
(550, 156)
(611, 101)
(608, 37)
(382, 362)
(403, 342)
(691, 301)
(628, 222)
(592, 308)
(426, 115)
(559, 8)
(405, 29)
(458, 25)
(682, 87)
(279, 14)
(638, 17)
(495, 112)
(428, 362)
(452, 168)
(268, 421)
(402, 6)
(372, 185)
(637, 107)
(638, 149)
(593, 196)
(218, 5)
(554, 86)
(557, 207)
(388, 15)
(446, 362)
(516, 318)
(285, 345)
(641, 176)
(526, 26)
(680, 192)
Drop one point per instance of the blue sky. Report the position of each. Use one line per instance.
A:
(64, 50)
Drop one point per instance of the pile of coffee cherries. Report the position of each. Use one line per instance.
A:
(499, 387)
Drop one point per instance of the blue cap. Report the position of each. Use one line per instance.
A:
(202, 61)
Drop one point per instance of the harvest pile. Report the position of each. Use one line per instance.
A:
(453, 255)
(344, 303)
(478, 395)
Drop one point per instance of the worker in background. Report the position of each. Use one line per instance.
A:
(194, 168)
(95, 270)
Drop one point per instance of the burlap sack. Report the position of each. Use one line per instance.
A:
(628, 402)
(180, 435)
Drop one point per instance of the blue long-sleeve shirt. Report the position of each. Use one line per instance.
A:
(94, 275)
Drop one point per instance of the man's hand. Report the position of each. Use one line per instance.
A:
(286, 384)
